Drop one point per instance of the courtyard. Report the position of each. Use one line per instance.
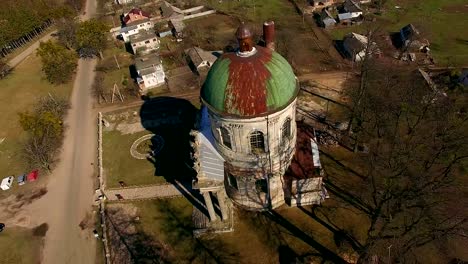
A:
(164, 154)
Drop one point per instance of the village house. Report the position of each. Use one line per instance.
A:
(123, 2)
(135, 14)
(135, 27)
(410, 39)
(150, 72)
(318, 3)
(200, 58)
(349, 12)
(326, 19)
(355, 45)
(144, 42)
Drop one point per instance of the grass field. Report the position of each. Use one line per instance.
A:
(119, 165)
(289, 233)
(443, 22)
(18, 92)
(19, 246)
(295, 39)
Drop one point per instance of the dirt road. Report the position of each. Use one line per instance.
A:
(70, 189)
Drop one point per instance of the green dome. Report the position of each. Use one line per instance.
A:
(250, 86)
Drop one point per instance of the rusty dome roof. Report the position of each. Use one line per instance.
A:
(249, 86)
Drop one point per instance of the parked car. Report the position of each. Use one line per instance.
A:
(7, 182)
(21, 179)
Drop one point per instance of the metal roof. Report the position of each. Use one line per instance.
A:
(127, 29)
(138, 22)
(142, 36)
(178, 25)
(147, 61)
(211, 162)
(351, 6)
(198, 55)
(250, 86)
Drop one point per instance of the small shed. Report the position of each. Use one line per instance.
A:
(177, 26)
(200, 58)
(327, 19)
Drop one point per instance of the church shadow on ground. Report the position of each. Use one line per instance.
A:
(172, 119)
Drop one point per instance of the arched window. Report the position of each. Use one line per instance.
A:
(286, 130)
(226, 137)
(257, 143)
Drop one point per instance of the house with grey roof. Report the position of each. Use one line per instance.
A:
(349, 11)
(355, 46)
(150, 72)
(326, 19)
(135, 27)
(144, 42)
(200, 58)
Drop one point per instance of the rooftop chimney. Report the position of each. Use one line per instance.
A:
(244, 36)
(269, 34)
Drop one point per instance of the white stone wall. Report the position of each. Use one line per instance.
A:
(256, 166)
(143, 26)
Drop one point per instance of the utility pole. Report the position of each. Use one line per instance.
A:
(389, 248)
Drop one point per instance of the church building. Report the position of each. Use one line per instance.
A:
(246, 134)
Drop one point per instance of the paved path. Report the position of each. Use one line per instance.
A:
(145, 192)
(23, 55)
(189, 95)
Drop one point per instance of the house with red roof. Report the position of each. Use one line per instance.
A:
(134, 15)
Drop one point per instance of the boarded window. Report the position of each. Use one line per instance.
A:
(226, 137)
(232, 181)
(286, 131)
(147, 42)
(257, 143)
(261, 186)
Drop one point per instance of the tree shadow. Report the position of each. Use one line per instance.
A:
(339, 234)
(130, 244)
(286, 255)
(178, 230)
(342, 165)
(295, 231)
(347, 197)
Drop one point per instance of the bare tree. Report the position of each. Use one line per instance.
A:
(45, 129)
(418, 147)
